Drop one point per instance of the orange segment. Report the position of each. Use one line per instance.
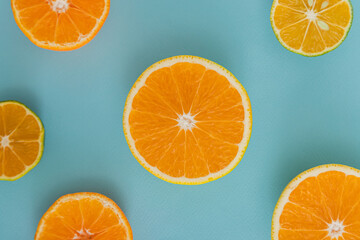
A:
(286, 16)
(338, 14)
(297, 4)
(294, 34)
(187, 120)
(84, 216)
(295, 235)
(187, 77)
(309, 27)
(172, 162)
(153, 147)
(323, 5)
(60, 24)
(21, 140)
(350, 196)
(332, 36)
(91, 7)
(321, 203)
(218, 154)
(12, 165)
(332, 187)
(297, 218)
(228, 131)
(313, 41)
(163, 85)
(307, 196)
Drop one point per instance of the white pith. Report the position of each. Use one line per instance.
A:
(59, 6)
(6, 143)
(83, 234)
(335, 228)
(312, 16)
(78, 233)
(210, 66)
(186, 121)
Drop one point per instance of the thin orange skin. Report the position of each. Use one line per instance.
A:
(295, 179)
(61, 48)
(123, 217)
(42, 140)
(132, 148)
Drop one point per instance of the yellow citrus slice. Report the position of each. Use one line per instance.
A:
(187, 120)
(60, 24)
(21, 140)
(311, 27)
(322, 203)
(84, 216)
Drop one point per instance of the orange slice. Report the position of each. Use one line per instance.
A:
(322, 203)
(84, 216)
(21, 140)
(60, 24)
(187, 120)
(311, 27)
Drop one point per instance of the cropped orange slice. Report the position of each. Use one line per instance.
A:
(60, 24)
(311, 27)
(322, 203)
(21, 140)
(187, 120)
(84, 216)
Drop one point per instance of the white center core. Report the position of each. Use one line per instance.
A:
(5, 142)
(83, 235)
(336, 229)
(186, 121)
(311, 15)
(59, 6)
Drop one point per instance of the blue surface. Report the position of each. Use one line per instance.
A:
(306, 112)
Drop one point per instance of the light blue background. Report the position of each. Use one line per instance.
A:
(306, 112)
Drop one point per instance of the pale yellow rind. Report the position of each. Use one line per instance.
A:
(209, 65)
(41, 142)
(313, 172)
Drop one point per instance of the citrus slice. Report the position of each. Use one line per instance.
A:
(322, 203)
(60, 24)
(187, 120)
(84, 216)
(21, 140)
(311, 27)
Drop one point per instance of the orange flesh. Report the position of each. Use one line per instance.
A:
(20, 136)
(84, 217)
(61, 28)
(318, 201)
(187, 88)
(300, 33)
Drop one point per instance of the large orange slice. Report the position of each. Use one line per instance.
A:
(21, 140)
(84, 216)
(60, 24)
(322, 203)
(311, 27)
(187, 120)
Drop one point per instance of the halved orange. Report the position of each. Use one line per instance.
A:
(84, 216)
(21, 140)
(322, 203)
(311, 27)
(187, 120)
(60, 24)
